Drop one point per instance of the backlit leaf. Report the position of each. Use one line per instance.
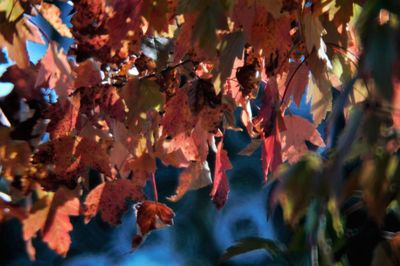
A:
(220, 189)
(151, 216)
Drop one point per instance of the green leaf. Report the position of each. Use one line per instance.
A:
(254, 243)
(208, 21)
(140, 96)
(190, 6)
(379, 46)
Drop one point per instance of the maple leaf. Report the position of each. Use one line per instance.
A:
(103, 99)
(271, 152)
(87, 74)
(13, 37)
(56, 70)
(262, 30)
(270, 105)
(125, 23)
(159, 13)
(183, 42)
(269, 123)
(63, 116)
(178, 117)
(220, 189)
(298, 186)
(194, 145)
(50, 215)
(13, 9)
(232, 46)
(23, 80)
(296, 82)
(320, 97)
(72, 157)
(140, 96)
(151, 215)
(14, 155)
(88, 13)
(313, 30)
(196, 176)
(209, 19)
(293, 139)
(110, 198)
(319, 89)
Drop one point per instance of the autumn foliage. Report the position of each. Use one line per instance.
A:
(150, 82)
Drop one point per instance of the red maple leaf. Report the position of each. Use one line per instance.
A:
(151, 215)
(220, 189)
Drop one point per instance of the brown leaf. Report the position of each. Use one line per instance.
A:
(312, 31)
(23, 80)
(71, 157)
(150, 216)
(178, 117)
(125, 23)
(87, 74)
(63, 116)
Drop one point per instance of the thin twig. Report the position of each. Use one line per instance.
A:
(152, 75)
(12, 9)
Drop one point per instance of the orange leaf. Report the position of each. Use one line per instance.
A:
(55, 69)
(13, 36)
(57, 227)
(298, 130)
(110, 198)
(50, 215)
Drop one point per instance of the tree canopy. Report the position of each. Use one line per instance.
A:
(128, 85)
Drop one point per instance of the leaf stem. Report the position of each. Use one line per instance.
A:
(153, 180)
